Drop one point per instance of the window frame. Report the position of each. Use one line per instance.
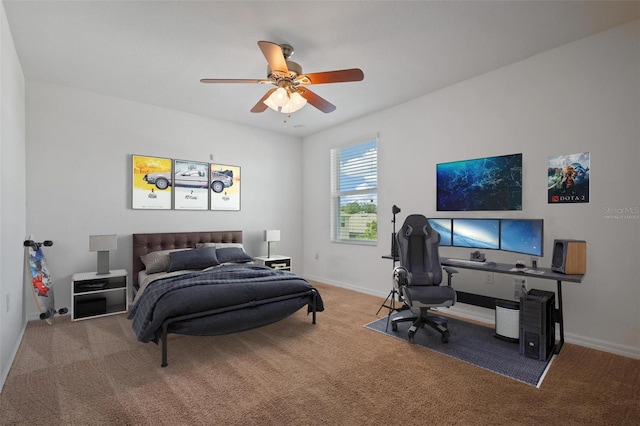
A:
(368, 190)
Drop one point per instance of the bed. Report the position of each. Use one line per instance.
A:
(204, 284)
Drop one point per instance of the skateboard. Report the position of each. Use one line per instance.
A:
(41, 279)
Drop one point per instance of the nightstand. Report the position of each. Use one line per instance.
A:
(94, 295)
(275, 262)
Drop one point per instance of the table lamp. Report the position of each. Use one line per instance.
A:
(271, 236)
(103, 244)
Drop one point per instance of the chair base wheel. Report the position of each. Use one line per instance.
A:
(394, 326)
(445, 337)
(412, 333)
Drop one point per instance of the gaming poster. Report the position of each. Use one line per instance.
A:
(568, 179)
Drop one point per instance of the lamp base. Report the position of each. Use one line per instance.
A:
(103, 263)
(270, 249)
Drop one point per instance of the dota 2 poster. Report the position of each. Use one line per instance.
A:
(568, 179)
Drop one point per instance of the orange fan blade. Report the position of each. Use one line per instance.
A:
(261, 106)
(315, 100)
(340, 76)
(273, 53)
(232, 80)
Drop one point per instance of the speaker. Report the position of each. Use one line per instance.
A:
(537, 324)
(569, 256)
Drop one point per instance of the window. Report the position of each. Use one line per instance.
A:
(354, 193)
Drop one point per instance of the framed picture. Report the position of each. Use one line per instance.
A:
(190, 185)
(491, 183)
(225, 187)
(568, 178)
(151, 183)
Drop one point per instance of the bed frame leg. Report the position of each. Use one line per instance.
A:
(313, 307)
(163, 337)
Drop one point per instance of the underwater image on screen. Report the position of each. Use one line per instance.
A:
(522, 236)
(492, 183)
(476, 233)
(442, 227)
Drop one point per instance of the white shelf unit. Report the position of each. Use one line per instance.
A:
(96, 295)
(275, 262)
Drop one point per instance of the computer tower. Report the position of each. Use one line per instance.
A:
(569, 257)
(537, 324)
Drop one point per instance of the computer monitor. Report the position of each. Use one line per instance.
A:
(476, 233)
(522, 236)
(442, 227)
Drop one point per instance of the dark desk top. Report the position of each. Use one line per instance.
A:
(504, 268)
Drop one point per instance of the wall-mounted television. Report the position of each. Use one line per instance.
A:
(443, 227)
(476, 233)
(491, 183)
(522, 236)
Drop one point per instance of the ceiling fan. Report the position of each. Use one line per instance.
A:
(290, 95)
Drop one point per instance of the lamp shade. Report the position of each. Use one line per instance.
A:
(277, 99)
(296, 101)
(272, 235)
(103, 242)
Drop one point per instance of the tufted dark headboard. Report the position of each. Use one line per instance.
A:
(147, 243)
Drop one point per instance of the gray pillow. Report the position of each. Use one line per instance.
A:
(193, 259)
(157, 261)
(233, 254)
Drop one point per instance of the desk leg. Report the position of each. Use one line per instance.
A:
(560, 319)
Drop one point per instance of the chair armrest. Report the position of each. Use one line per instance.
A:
(450, 271)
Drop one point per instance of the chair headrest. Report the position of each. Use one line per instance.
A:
(416, 224)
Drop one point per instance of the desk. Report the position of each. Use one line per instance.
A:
(503, 268)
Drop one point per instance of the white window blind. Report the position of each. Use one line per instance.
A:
(354, 192)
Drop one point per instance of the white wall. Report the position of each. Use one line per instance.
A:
(79, 148)
(584, 96)
(12, 198)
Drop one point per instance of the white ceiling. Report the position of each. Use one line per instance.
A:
(156, 52)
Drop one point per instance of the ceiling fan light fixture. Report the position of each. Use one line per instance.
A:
(296, 101)
(287, 75)
(277, 99)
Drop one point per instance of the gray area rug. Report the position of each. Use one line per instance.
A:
(473, 344)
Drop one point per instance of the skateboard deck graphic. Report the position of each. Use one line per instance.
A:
(41, 283)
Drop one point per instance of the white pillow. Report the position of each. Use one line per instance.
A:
(219, 245)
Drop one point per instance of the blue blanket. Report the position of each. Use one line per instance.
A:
(223, 286)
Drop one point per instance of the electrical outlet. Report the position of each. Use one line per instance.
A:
(317, 255)
(488, 278)
(519, 287)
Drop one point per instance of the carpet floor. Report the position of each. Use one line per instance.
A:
(336, 372)
(474, 344)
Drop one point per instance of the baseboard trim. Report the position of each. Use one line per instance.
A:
(626, 351)
(12, 357)
(347, 286)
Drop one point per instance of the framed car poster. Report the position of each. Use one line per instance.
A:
(150, 186)
(568, 178)
(190, 185)
(225, 187)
